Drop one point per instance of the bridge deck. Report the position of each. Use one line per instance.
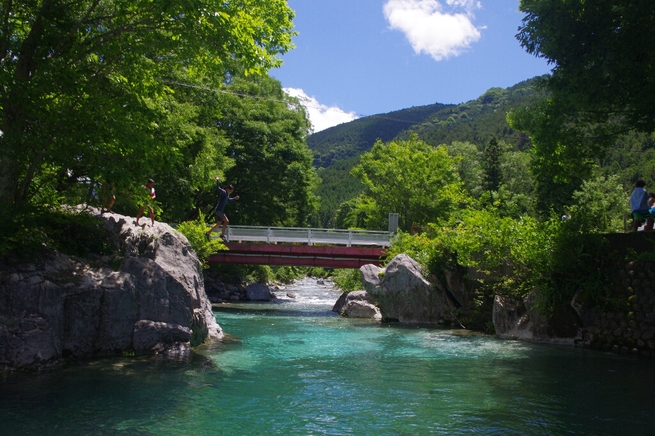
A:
(298, 255)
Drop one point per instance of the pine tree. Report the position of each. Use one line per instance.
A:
(492, 170)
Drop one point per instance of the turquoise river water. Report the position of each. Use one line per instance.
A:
(295, 368)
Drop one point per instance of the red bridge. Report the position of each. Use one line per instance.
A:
(298, 255)
(282, 247)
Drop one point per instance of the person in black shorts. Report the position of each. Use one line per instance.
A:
(219, 210)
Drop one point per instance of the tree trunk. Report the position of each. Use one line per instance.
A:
(8, 178)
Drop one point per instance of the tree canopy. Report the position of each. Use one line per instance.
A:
(84, 84)
(250, 134)
(603, 54)
(411, 178)
(272, 170)
(492, 170)
(601, 87)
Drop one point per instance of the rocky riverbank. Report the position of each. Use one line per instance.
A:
(624, 322)
(147, 298)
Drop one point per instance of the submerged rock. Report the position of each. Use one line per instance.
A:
(61, 306)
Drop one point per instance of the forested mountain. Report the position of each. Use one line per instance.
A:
(351, 139)
(337, 150)
(478, 120)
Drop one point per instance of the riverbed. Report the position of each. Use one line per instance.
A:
(294, 367)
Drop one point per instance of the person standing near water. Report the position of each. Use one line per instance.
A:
(219, 210)
(150, 186)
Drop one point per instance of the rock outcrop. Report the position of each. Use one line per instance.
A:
(222, 289)
(149, 299)
(259, 292)
(403, 294)
(356, 304)
(512, 319)
(519, 318)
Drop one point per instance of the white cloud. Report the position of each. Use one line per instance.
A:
(468, 5)
(433, 30)
(321, 116)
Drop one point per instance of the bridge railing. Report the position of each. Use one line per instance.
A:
(308, 236)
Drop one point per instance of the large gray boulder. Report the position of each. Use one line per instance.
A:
(149, 299)
(258, 292)
(402, 293)
(356, 304)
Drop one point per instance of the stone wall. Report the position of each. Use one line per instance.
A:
(628, 325)
(623, 322)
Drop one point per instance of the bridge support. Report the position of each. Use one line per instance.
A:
(298, 255)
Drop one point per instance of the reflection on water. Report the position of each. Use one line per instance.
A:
(294, 367)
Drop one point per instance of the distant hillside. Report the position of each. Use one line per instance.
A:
(337, 149)
(352, 139)
(478, 120)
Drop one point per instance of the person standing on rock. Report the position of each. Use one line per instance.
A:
(219, 210)
(640, 207)
(150, 186)
(108, 197)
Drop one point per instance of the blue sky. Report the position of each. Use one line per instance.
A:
(356, 58)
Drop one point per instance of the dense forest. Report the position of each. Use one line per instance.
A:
(99, 97)
(337, 149)
(466, 130)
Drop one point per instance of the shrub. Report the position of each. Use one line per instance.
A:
(506, 249)
(348, 280)
(27, 232)
(195, 233)
(575, 264)
(561, 258)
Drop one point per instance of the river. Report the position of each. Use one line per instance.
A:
(295, 368)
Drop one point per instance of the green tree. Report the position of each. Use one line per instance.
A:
(84, 84)
(601, 205)
(603, 54)
(411, 178)
(185, 181)
(564, 154)
(351, 214)
(517, 186)
(601, 88)
(469, 166)
(492, 167)
(272, 171)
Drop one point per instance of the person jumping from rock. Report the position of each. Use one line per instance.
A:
(223, 198)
